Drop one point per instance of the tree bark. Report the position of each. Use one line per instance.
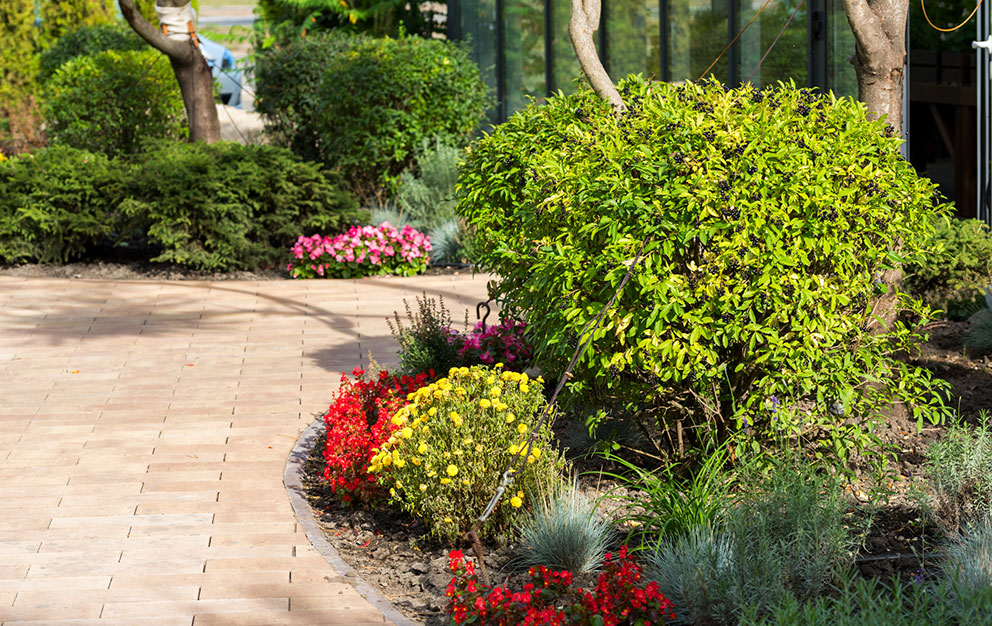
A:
(583, 23)
(196, 82)
(880, 54)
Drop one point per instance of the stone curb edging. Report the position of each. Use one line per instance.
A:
(293, 481)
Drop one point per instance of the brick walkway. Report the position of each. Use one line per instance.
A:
(144, 428)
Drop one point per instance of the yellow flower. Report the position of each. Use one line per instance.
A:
(516, 502)
(490, 380)
(406, 433)
(451, 470)
(478, 447)
(520, 494)
(536, 452)
(448, 520)
(422, 448)
(415, 461)
(514, 449)
(423, 487)
(445, 481)
(465, 482)
(521, 428)
(392, 492)
(452, 371)
(510, 417)
(540, 379)
(387, 461)
(399, 419)
(495, 391)
(460, 391)
(438, 394)
(501, 406)
(432, 411)
(399, 463)
(399, 485)
(485, 403)
(463, 371)
(524, 387)
(498, 366)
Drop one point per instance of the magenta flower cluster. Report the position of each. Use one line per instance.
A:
(362, 251)
(503, 342)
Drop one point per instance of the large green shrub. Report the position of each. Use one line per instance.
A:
(56, 204)
(372, 104)
(288, 86)
(228, 206)
(959, 269)
(87, 40)
(765, 220)
(113, 101)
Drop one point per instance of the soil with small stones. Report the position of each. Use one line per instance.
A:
(391, 552)
(139, 270)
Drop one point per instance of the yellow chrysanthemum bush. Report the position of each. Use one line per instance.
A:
(454, 439)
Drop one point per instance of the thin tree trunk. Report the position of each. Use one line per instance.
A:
(583, 23)
(195, 80)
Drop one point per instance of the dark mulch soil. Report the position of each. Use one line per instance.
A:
(139, 270)
(389, 549)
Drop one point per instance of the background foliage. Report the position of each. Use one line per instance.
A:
(18, 69)
(114, 100)
(399, 92)
(766, 220)
(87, 40)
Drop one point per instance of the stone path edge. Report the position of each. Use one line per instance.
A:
(293, 481)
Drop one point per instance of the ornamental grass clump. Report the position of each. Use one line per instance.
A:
(764, 221)
(362, 251)
(454, 440)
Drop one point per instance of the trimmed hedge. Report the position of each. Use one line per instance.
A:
(222, 206)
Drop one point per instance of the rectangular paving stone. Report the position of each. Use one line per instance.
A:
(265, 563)
(367, 617)
(113, 610)
(282, 590)
(61, 584)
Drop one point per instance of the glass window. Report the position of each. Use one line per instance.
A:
(478, 25)
(787, 58)
(523, 40)
(632, 38)
(697, 32)
(566, 67)
(841, 77)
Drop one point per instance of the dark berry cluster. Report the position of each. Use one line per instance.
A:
(678, 158)
(709, 136)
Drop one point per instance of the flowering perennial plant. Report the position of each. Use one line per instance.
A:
(619, 598)
(358, 422)
(453, 440)
(504, 342)
(362, 251)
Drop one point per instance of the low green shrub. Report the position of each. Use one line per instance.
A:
(959, 471)
(426, 342)
(564, 532)
(868, 602)
(369, 103)
(57, 204)
(673, 500)
(86, 41)
(765, 221)
(228, 206)
(113, 101)
(447, 459)
(955, 275)
(784, 538)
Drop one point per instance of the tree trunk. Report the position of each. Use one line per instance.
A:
(583, 23)
(880, 55)
(192, 72)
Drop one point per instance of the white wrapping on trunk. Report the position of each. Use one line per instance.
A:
(175, 20)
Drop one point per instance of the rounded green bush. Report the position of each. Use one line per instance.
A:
(114, 100)
(227, 206)
(87, 40)
(765, 220)
(57, 204)
(364, 106)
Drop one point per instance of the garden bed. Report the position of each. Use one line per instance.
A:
(391, 552)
